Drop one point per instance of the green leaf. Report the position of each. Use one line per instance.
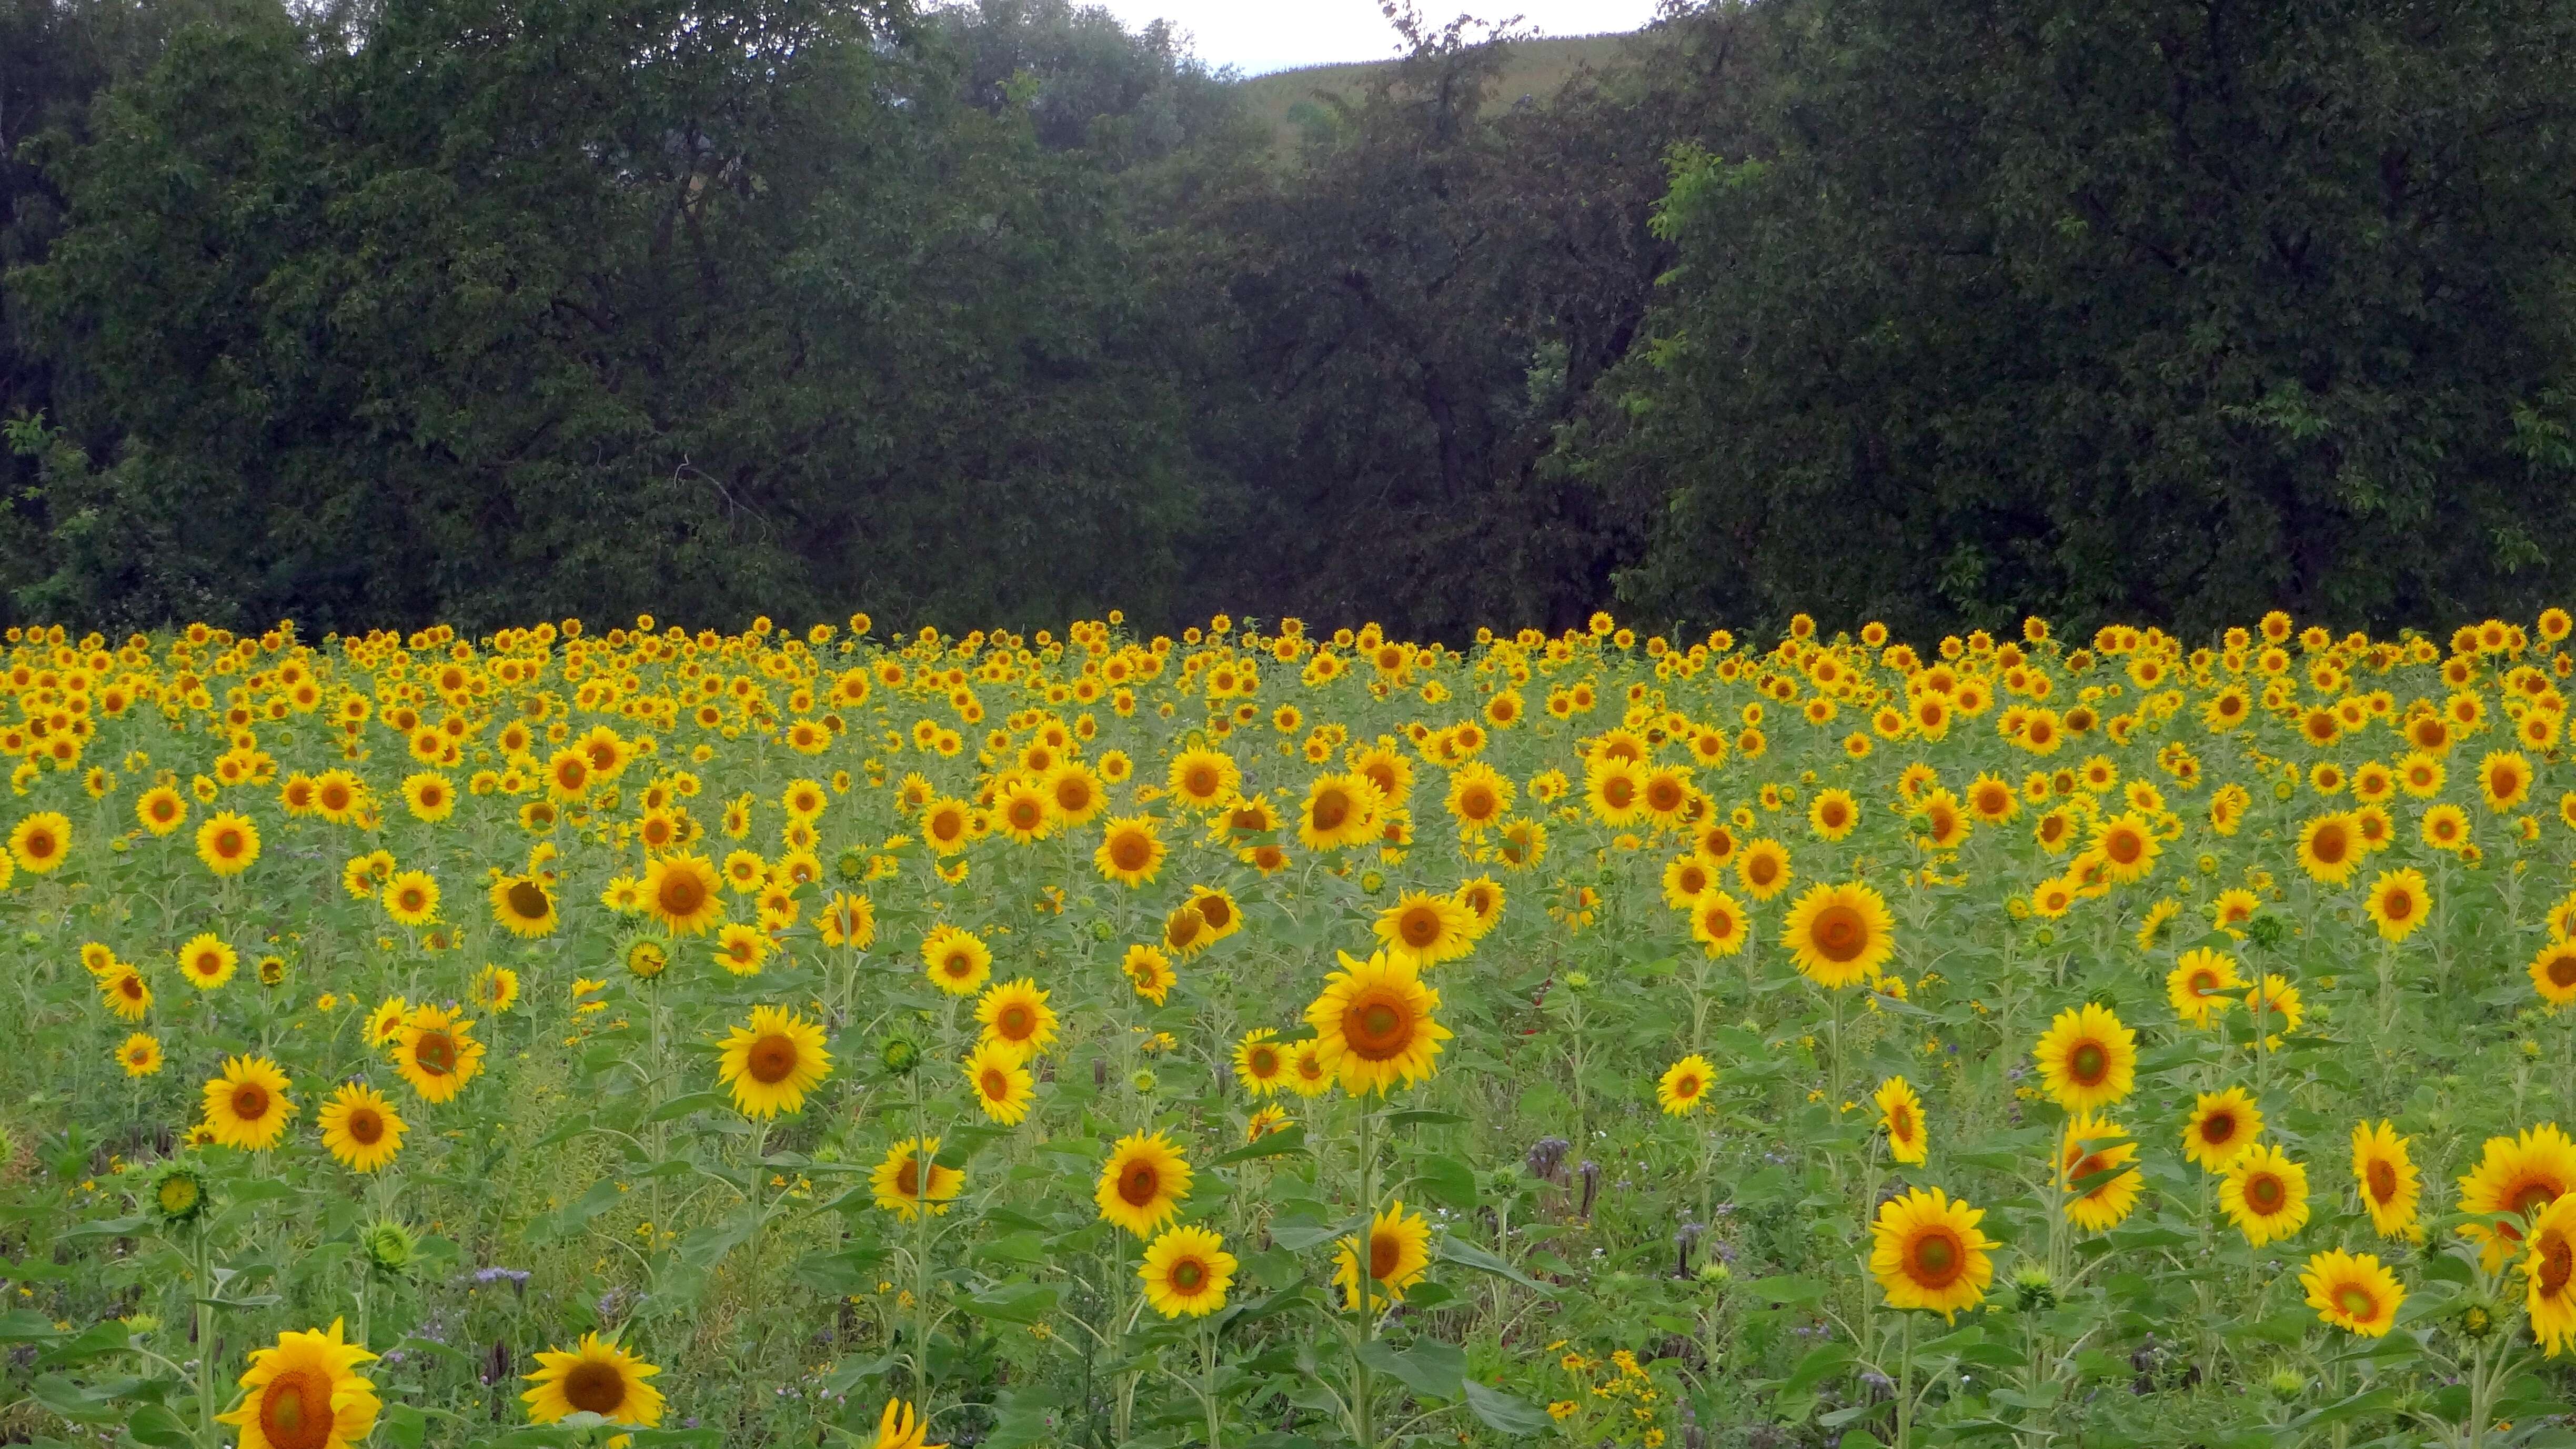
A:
(1446, 1181)
(1432, 1369)
(1503, 1413)
(154, 1425)
(1467, 1255)
(1017, 1303)
(1275, 1144)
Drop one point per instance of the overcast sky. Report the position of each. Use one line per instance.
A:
(1266, 35)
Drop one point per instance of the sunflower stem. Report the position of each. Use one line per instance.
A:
(205, 1321)
(1364, 1330)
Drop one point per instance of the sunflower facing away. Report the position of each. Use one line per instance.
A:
(2087, 1059)
(1186, 1271)
(306, 1393)
(1373, 1024)
(595, 1377)
(1926, 1252)
(772, 1063)
(1142, 1183)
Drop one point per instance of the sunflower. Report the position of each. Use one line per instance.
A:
(1684, 1086)
(1129, 851)
(2274, 996)
(2504, 780)
(247, 1106)
(1002, 1085)
(897, 1180)
(1185, 931)
(740, 949)
(1150, 972)
(1900, 1115)
(2128, 847)
(2095, 1171)
(2515, 1176)
(2390, 1183)
(431, 796)
(1339, 810)
(2398, 902)
(496, 988)
(2553, 973)
(1425, 929)
(2265, 1194)
(1023, 811)
(1926, 1252)
(161, 809)
(1478, 798)
(1834, 813)
(2222, 1126)
(1373, 1024)
(898, 1428)
(2549, 1265)
(1482, 899)
(1839, 934)
(2087, 1059)
(1615, 789)
(1719, 924)
(306, 1393)
(524, 906)
(140, 1056)
(2330, 848)
(1186, 1271)
(1763, 867)
(596, 1377)
(2353, 1293)
(1216, 907)
(1142, 1184)
(1016, 1017)
(1261, 1061)
(956, 960)
(848, 920)
(40, 842)
(773, 1062)
(228, 843)
(437, 1053)
(1204, 779)
(411, 898)
(1399, 1252)
(384, 1024)
(680, 891)
(360, 1128)
(1309, 1073)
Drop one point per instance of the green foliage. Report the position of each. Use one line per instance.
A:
(2138, 309)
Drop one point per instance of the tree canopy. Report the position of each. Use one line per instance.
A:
(999, 312)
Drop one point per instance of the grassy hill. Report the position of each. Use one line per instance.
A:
(1533, 68)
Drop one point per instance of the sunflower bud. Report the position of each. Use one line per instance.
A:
(1143, 1081)
(1714, 1270)
(2045, 936)
(2034, 1291)
(1101, 930)
(2285, 1383)
(178, 1193)
(272, 970)
(646, 958)
(1370, 883)
(898, 1056)
(2475, 1320)
(852, 865)
(2267, 931)
(390, 1248)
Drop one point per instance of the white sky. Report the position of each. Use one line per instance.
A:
(1266, 35)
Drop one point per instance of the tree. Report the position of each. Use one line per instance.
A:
(2170, 311)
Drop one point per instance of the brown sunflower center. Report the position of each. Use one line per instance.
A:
(2399, 905)
(527, 900)
(2382, 1177)
(1386, 1253)
(250, 1101)
(1839, 934)
(1937, 1258)
(1330, 809)
(2557, 1264)
(366, 1126)
(2530, 1197)
(1188, 1275)
(1015, 1022)
(2330, 846)
(595, 1387)
(1378, 1025)
(436, 1053)
(2088, 1064)
(2562, 970)
(295, 1409)
(771, 1060)
(1140, 1184)
(2124, 846)
(2266, 1193)
(1420, 927)
(2356, 1301)
(1618, 791)
(995, 1083)
(2218, 1128)
(1130, 852)
(681, 895)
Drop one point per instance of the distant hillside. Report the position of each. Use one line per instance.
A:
(1286, 99)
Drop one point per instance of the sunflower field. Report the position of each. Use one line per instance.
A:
(1267, 1037)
